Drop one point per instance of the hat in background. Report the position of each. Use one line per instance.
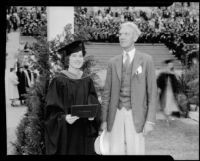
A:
(26, 50)
(101, 144)
(27, 47)
(73, 47)
(168, 61)
(12, 69)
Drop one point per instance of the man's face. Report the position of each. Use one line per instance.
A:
(126, 37)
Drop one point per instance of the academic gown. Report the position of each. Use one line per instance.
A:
(169, 85)
(60, 136)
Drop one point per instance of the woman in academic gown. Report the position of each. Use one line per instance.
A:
(14, 94)
(66, 134)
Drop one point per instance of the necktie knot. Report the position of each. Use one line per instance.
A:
(127, 59)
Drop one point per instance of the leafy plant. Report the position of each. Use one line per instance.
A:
(190, 87)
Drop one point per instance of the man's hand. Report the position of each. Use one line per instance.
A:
(148, 127)
(103, 127)
(71, 119)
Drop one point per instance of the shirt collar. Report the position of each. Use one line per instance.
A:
(131, 53)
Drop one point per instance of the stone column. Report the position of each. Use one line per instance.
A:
(57, 19)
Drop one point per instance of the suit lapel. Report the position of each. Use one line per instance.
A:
(136, 62)
(118, 65)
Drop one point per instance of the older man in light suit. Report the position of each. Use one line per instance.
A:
(129, 97)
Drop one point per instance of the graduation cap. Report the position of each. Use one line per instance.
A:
(27, 47)
(170, 66)
(168, 61)
(73, 47)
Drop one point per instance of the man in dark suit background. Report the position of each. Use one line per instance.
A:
(21, 86)
(129, 97)
(29, 77)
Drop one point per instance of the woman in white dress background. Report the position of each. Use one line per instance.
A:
(13, 90)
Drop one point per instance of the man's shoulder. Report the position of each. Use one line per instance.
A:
(113, 59)
(145, 56)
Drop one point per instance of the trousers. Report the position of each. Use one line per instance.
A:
(124, 140)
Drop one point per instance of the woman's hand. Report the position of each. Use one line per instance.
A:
(71, 119)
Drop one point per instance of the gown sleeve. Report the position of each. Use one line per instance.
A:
(93, 99)
(54, 118)
(175, 83)
(161, 81)
(93, 126)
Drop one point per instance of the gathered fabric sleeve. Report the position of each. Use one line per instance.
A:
(151, 91)
(55, 123)
(14, 79)
(93, 99)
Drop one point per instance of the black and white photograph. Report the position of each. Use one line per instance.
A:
(103, 80)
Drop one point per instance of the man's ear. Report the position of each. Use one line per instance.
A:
(135, 37)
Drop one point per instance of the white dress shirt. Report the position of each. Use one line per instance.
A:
(131, 54)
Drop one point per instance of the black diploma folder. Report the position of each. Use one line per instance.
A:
(84, 111)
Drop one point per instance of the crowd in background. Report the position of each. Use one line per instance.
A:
(175, 26)
(12, 19)
(28, 19)
(32, 19)
(153, 22)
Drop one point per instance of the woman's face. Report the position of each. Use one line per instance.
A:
(76, 60)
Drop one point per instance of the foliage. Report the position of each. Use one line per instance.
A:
(190, 87)
(32, 22)
(30, 132)
(174, 32)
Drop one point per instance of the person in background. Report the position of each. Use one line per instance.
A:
(22, 84)
(13, 81)
(29, 81)
(168, 88)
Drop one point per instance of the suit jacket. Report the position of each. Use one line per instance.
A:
(143, 90)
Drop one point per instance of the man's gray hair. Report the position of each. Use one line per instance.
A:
(133, 26)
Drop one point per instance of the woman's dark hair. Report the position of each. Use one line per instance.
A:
(65, 62)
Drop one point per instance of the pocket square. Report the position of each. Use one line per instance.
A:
(139, 70)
